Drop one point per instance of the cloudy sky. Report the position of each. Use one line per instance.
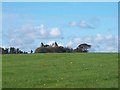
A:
(26, 24)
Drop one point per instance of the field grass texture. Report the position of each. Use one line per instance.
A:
(60, 70)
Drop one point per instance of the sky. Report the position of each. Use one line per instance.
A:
(60, 0)
(26, 24)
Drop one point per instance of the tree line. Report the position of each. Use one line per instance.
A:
(54, 48)
(60, 49)
(11, 50)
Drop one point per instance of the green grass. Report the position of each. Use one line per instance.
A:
(60, 70)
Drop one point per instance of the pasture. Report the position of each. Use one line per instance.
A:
(60, 70)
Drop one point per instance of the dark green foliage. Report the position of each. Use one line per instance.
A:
(11, 50)
(17, 50)
(31, 51)
(0, 50)
(54, 48)
(42, 50)
(42, 44)
(68, 50)
(82, 48)
(60, 49)
(4, 51)
(56, 44)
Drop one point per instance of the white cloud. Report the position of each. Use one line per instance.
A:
(88, 39)
(46, 33)
(55, 32)
(100, 42)
(77, 40)
(82, 24)
(51, 42)
(98, 37)
(109, 37)
(85, 25)
(26, 36)
(69, 44)
(73, 23)
(42, 30)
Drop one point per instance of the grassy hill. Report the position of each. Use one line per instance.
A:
(56, 70)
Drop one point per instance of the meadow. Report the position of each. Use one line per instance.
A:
(60, 70)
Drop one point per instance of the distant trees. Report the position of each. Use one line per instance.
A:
(83, 48)
(31, 51)
(54, 48)
(60, 49)
(3, 51)
(56, 44)
(11, 50)
(0, 50)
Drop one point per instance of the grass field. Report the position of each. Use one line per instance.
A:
(60, 70)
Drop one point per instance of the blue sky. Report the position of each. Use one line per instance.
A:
(27, 24)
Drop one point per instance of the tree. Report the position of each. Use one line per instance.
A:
(17, 51)
(12, 50)
(42, 45)
(42, 50)
(60, 49)
(25, 52)
(83, 47)
(56, 44)
(21, 52)
(6, 51)
(67, 49)
(3, 51)
(0, 50)
(31, 51)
